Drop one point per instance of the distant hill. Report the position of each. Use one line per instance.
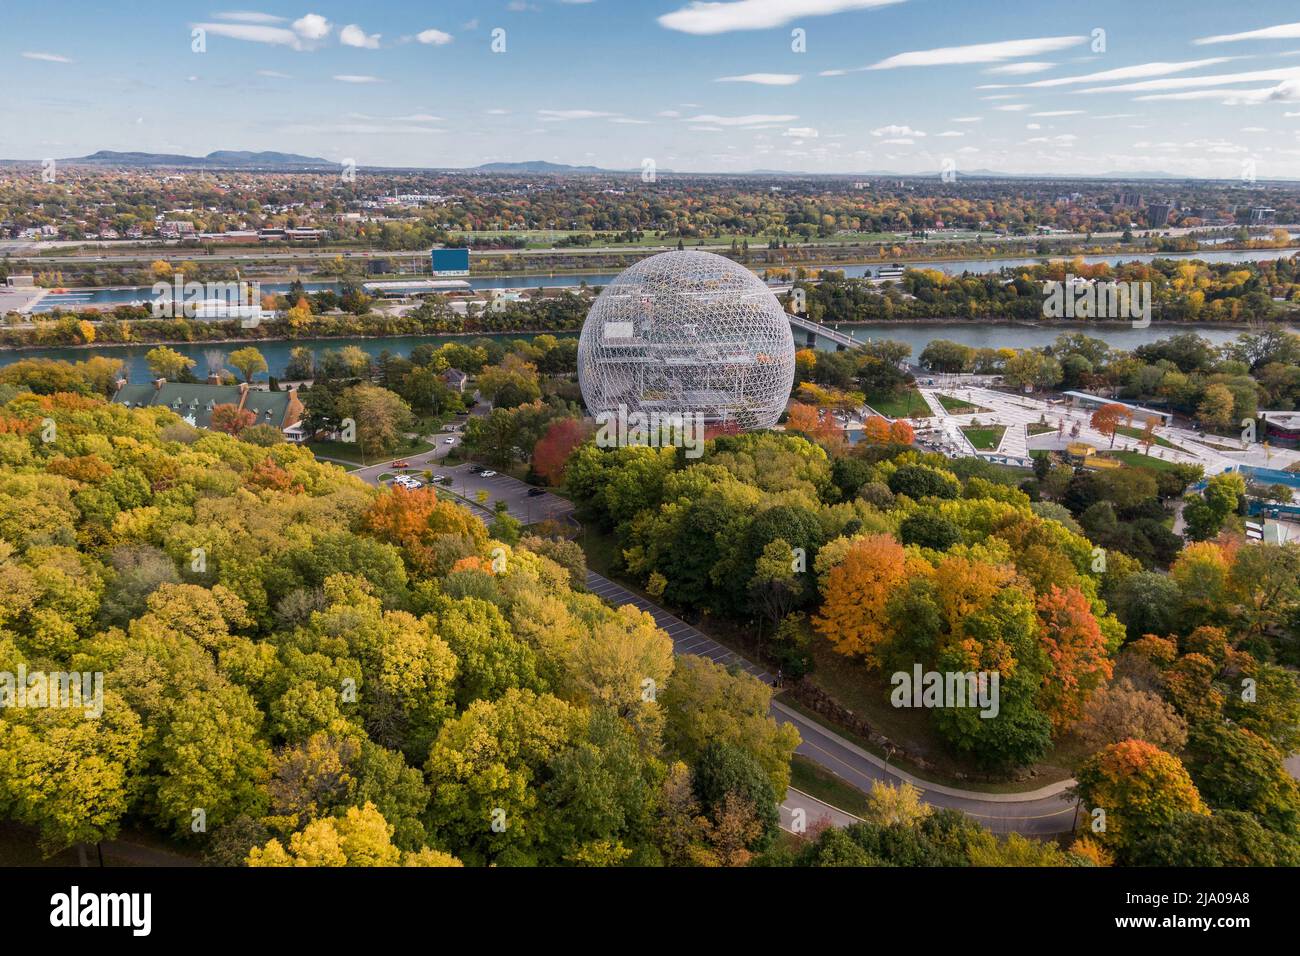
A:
(535, 166)
(220, 159)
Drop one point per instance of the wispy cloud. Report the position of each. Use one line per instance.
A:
(704, 18)
(305, 33)
(752, 119)
(1285, 31)
(1137, 72)
(45, 57)
(1195, 82)
(552, 116)
(979, 52)
(1021, 69)
(762, 79)
(356, 78)
(249, 16)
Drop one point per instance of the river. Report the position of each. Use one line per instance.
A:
(915, 333)
(119, 296)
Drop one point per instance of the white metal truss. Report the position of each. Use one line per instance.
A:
(686, 332)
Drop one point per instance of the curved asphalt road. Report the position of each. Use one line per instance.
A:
(1043, 812)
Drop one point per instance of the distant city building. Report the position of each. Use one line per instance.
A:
(1261, 214)
(1158, 214)
(1130, 199)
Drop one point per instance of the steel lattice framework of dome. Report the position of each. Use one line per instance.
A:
(687, 332)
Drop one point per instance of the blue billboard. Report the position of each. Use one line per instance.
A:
(450, 262)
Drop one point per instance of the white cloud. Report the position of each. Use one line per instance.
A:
(1285, 31)
(801, 132)
(249, 16)
(1058, 113)
(979, 52)
(704, 18)
(312, 26)
(752, 119)
(1194, 82)
(895, 130)
(900, 141)
(498, 112)
(1138, 72)
(968, 119)
(949, 133)
(762, 79)
(1020, 69)
(307, 31)
(353, 35)
(1012, 107)
(1286, 92)
(552, 116)
(433, 37)
(356, 78)
(625, 120)
(45, 57)
(274, 74)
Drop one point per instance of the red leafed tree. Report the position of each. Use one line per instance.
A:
(552, 451)
(232, 419)
(1076, 651)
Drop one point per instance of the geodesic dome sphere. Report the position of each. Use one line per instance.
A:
(684, 332)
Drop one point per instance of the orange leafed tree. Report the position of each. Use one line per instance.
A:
(1076, 650)
(816, 423)
(857, 589)
(876, 430)
(413, 519)
(270, 476)
(552, 451)
(901, 433)
(1108, 418)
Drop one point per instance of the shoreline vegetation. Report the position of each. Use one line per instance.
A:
(757, 259)
(1178, 291)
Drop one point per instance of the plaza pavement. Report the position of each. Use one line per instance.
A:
(1019, 411)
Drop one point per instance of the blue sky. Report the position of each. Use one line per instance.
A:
(1189, 87)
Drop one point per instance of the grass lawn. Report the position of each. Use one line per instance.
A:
(905, 404)
(866, 693)
(1139, 460)
(984, 439)
(1037, 428)
(955, 406)
(351, 451)
(1129, 432)
(817, 781)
